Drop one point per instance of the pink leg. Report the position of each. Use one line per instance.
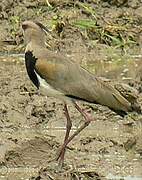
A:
(68, 128)
(88, 119)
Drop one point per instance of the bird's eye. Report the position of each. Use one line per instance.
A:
(24, 26)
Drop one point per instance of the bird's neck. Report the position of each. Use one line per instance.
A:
(38, 42)
(35, 45)
(35, 38)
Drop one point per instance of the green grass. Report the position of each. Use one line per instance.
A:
(85, 24)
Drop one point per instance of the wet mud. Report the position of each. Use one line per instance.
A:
(33, 128)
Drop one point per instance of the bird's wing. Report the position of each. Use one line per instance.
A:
(76, 82)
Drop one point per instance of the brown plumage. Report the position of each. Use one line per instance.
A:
(56, 75)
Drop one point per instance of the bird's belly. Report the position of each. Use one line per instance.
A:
(48, 90)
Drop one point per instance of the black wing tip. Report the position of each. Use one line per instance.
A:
(120, 112)
(136, 108)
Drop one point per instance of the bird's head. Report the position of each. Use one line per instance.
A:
(34, 31)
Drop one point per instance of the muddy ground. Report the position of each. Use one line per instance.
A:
(33, 126)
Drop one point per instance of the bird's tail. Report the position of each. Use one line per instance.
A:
(131, 95)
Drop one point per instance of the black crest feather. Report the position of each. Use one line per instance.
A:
(42, 26)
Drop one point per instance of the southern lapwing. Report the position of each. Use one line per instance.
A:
(58, 76)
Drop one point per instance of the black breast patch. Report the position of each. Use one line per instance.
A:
(30, 61)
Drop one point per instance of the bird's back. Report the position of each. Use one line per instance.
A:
(75, 82)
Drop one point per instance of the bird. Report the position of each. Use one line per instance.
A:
(56, 75)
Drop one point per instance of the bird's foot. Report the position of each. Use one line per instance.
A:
(88, 117)
(60, 157)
